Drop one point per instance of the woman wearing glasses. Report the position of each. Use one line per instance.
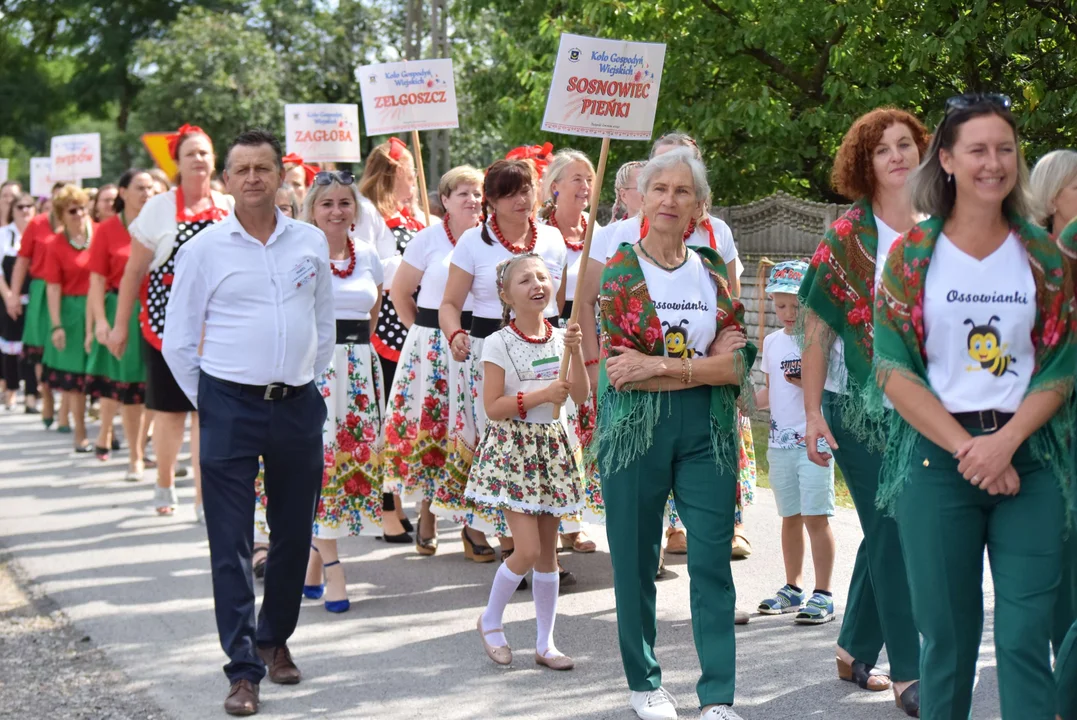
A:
(975, 349)
(19, 214)
(67, 278)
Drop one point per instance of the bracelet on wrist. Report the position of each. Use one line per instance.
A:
(520, 405)
(689, 372)
(458, 331)
(589, 363)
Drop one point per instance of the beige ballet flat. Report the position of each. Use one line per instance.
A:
(500, 655)
(557, 662)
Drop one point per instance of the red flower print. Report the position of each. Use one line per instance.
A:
(821, 256)
(843, 226)
(352, 421)
(432, 356)
(838, 292)
(439, 431)
(426, 422)
(363, 454)
(652, 335)
(352, 486)
(398, 401)
(347, 442)
(1052, 327)
(915, 235)
(918, 320)
(635, 305)
(441, 385)
(363, 402)
(861, 312)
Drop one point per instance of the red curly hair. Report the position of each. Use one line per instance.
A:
(853, 175)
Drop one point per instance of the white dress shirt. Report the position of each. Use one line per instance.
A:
(267, 309)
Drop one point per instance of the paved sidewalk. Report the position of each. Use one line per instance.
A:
(139, 586)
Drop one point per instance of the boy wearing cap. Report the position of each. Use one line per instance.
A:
(803, 491)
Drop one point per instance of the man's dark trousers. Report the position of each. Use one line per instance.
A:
(237, 428)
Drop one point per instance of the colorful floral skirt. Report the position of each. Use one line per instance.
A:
(66, 369)
(745, 476)
(122, 380)
(581, 422)
(527, 468)
(416, 434)
(351, 482)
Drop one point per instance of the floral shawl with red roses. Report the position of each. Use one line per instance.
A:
(899, 343)
(839, 289)
(626, 418)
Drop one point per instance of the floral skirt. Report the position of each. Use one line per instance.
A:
(526, 467)
(350, 503)
(581, 422)
(416, 433)
(745, 476)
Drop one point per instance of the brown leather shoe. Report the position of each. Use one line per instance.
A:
(242, 698)
(279, 662)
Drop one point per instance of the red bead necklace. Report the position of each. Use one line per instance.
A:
(351, 262)
(533, 341)
(529, 247)
(574, 246)
(646, 226)
(448, 230)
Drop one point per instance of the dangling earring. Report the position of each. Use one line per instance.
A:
(949, 177)
(353, 227)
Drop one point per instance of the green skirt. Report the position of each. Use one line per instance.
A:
(124, 379)
(67, 368)
(36, 330)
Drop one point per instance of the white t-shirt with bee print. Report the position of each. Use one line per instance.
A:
(686, 300)
(978, 322)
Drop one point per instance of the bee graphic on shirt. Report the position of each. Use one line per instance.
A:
(986, 347)
(677, 340)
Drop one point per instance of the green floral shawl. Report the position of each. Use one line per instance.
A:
(899, 344)
(839, 289)
(626, 419)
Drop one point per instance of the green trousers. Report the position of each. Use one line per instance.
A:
(945, 525)
(878, 610)
(1066, 675)
(682, 460)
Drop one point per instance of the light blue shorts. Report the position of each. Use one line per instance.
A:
(800, 486)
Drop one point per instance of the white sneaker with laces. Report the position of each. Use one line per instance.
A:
(654, 705)
(720, 712)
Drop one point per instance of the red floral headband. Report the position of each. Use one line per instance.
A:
(309, 171)
(175, 138)
(537, 154)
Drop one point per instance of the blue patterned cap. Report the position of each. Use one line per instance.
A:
(785, 277)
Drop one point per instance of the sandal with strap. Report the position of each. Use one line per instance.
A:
(786, 600)
(578, 542)
(312, 592)
(336, 606)
(259, 564)
(909, 701)
(474, 552)
(861, 674)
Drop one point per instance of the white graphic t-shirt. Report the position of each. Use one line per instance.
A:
(978, 321)
(787, 421)
(528, 366)
(686, 300)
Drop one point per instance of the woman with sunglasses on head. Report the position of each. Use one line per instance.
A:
(417, 426)
(12, 365)
(164, 225)
(119, 382)
(508, 229)
(67, 278)
(974, 346)
(389, 183)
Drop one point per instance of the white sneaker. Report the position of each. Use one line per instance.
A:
(740, 617)
(720, 712)
(654, 705)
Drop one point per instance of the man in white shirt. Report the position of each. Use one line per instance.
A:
(246, 290)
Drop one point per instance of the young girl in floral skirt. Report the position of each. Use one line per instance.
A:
(524, 466)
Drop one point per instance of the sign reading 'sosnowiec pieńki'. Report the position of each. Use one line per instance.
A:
(323, 132)
(604, 88)
(410, 95)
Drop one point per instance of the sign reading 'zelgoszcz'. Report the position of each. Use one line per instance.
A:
(323, 132)
(76, 157)
(410, 95)
(604, 88)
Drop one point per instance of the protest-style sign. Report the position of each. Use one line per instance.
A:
(76, 157)
(409, 95)
(156, 145)
(4, 164)
(323, 132)
(604, 88)
(41, 179)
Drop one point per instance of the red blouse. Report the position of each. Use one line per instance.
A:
(67, 267)
(109, 251)
(35, 240)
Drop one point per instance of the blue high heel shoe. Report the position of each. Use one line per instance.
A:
(336, 606)
(314, 592)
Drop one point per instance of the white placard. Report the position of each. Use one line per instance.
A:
(604, 88)
(4, 163)
(41, 179)
(410, 95)
(323, 132)
(76, 157)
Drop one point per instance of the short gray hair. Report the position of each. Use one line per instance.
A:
(670, 160)
(1054, 171)
(315, 194)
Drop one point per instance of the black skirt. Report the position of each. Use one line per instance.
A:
(11, 329)
(163, 393)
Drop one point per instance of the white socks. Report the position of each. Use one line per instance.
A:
(505, 584)
(544, 587)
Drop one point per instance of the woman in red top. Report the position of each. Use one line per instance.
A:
(67, 275)
(117, 380)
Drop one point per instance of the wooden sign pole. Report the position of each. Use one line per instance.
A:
(592, 218)
(418, 151)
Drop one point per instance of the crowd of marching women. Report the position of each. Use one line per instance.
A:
(928, 348)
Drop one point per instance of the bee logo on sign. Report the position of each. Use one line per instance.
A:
(373, 79)
(574, 55)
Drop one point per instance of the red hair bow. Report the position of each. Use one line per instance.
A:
(538, 154)
(396, 148)
(174, 138)
(309, 171)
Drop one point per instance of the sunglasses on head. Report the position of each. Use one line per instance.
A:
(327, 177)
(963, 102)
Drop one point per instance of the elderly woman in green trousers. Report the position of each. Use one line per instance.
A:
(674, 353)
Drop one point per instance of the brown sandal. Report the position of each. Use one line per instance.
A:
(572, 541)
(861, 674)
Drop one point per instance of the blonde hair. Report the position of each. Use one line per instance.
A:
(620, 210)
(504, 274)
(456, 177)
(379, 177)
(67, 197)
(315, 194)
(1052, 173)
(554, 172)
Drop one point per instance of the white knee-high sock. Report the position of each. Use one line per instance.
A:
(544, 588)
(505, 584)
